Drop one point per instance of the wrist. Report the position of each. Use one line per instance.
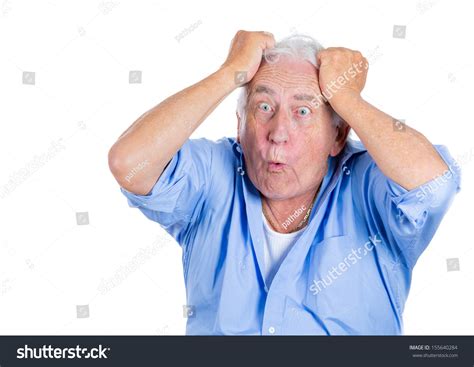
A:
(228, 76)
(346, 101)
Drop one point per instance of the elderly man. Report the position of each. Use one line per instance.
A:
(291, 228)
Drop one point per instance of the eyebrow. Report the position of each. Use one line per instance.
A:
(304, 97)
(264, 89)
(298, 97)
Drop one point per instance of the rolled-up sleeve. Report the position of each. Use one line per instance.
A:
(178, 196)
(408, 218)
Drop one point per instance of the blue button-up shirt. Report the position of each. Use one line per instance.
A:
(348, 273)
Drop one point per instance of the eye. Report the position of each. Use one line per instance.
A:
(303, 111)
(265, 107)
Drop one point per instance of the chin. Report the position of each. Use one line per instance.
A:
(276, 193)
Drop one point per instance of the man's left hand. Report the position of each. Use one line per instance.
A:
(342, 75)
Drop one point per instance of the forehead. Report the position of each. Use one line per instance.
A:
(287, 76)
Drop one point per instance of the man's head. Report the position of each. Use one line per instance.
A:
(283, 120)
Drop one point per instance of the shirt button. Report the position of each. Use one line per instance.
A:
(271, 330)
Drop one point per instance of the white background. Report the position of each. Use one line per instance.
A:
(121, 274)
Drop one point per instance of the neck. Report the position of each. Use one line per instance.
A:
(289, 215)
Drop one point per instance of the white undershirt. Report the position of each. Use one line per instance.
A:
(276, 246)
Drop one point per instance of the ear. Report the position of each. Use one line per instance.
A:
(238, 127)
(342, 132)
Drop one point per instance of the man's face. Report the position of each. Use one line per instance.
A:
(286, 137)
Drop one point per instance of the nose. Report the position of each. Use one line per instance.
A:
(278, 128)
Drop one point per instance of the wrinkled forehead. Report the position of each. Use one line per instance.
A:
(285, 77)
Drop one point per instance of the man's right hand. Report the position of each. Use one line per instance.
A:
(245, 54)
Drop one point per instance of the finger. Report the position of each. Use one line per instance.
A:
(269, 40)
(320, 55)
(366, 63)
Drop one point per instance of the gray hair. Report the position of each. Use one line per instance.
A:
(299, 46)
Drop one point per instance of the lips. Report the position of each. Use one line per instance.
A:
(276, 166)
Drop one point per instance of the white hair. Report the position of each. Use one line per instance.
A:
(299, 46)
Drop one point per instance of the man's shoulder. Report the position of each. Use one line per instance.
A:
(222, 145)
(222, 161)
(222, 157)
(220, 151)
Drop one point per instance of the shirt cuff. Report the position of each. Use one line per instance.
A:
(149, 200)
(415, 204)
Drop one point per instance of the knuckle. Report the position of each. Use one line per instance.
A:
(347, 52)
(337, 56)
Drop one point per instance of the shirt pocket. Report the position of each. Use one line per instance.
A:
(345, 289)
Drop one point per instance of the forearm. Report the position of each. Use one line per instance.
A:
(404, 155)
(159, 133)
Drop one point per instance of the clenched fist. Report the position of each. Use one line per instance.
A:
(246, 52)
(342, 74)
